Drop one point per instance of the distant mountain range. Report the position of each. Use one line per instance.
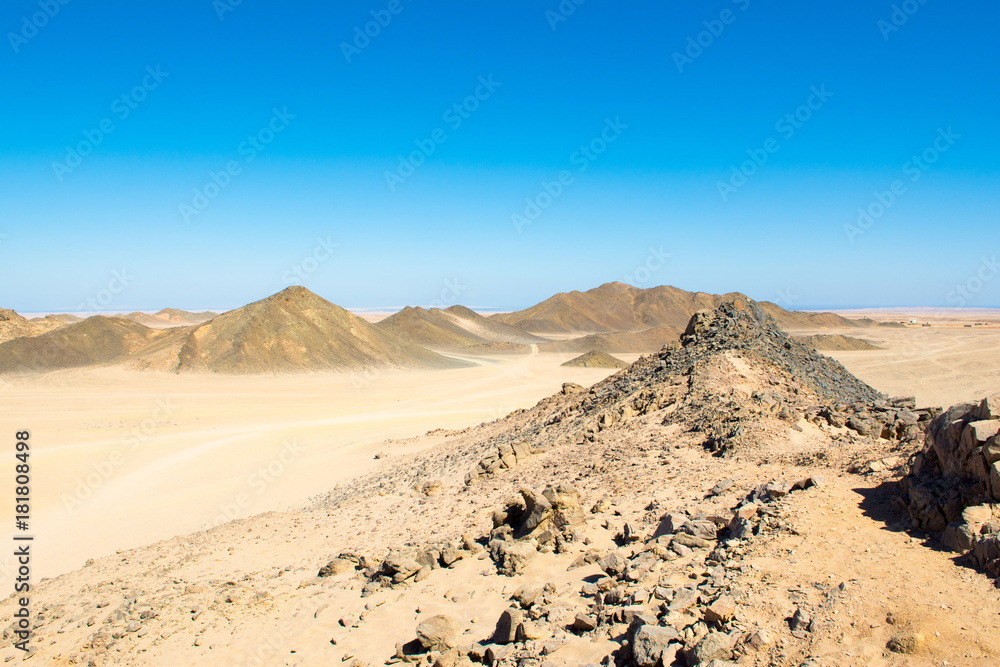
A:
(298, 331)
(619, 307)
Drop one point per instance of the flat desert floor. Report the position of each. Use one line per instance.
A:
(124, 459)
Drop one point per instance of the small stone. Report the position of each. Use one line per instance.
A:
(722, 610)
(584, 623)
(906, 644)
(800, 620)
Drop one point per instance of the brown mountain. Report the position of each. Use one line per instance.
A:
(292, 331)
(595, 359)
(295, 331)
(95, 341)
(169, 317)
(452, 328)
(620, 307)
(13, 325)
(617, 342)
(836, 343)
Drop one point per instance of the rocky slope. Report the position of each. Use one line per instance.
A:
(13, 325)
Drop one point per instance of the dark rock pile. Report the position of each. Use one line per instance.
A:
(634, 600)
(953, 483)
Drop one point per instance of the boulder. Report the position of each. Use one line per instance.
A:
(704, 529)
(989, 408)
(713, 646)
(511, 557)
(400, 565)
(584, 623)
(651, 641)
(691, 542)
(337, 566)
(438, 633)
(507, 626)
(722, 610)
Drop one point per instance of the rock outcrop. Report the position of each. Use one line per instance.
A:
(953, 484)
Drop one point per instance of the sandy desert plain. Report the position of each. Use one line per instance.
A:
(182, 518)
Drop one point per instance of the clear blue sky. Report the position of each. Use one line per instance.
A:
(200, 78)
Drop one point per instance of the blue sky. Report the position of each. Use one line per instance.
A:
(233, 149)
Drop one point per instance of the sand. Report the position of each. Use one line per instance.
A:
(942, 365)
(125, 458)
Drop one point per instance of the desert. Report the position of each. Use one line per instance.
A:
(501, 334)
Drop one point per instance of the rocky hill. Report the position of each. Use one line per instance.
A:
(836, 343)
(95, 341)
(452, 328)
(620, 307)
(13, 325)
(170, 317)
(296, 331)
(289, 332)
(618, 342)
(595, 359)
